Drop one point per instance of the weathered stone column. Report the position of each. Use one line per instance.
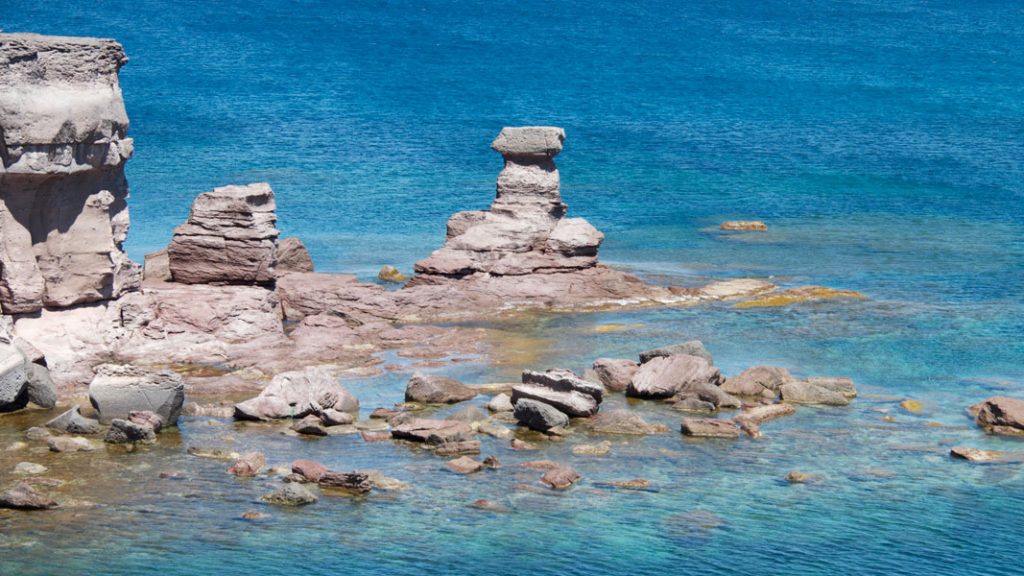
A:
(63, 145)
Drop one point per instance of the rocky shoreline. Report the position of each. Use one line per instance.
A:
(229, 307)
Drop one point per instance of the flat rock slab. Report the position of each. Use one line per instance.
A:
(572, 403)
(764, 413)
(562, 380)
(709, 428)
(432, 431)
(987, 456)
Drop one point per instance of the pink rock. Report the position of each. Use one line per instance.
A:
(665, 376)
(249, 464)
(463, 465)
(292, 256)
(759, 381)
(310, 470)
(615, 373)
(560, 478)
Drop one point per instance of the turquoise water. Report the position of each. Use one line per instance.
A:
(882, 142)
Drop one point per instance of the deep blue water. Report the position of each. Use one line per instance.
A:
(883, 142)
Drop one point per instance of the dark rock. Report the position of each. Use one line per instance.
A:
(436, 390)
(709, 428)
(13, 378)
(615, 373)
(23, 496)
(689, 348)
(490, 506)
(492, 463)
(351, 482)
(538, 415)
(560, 478)
(290, 495)
(128, 432)
(73, 422)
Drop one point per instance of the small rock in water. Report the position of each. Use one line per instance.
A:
(391, 274)
(623, 422)
(214, 453)
(500, 403)
(1000, 415)
(332, 417)
(709, 428)
(689, 348)
(540, 465)
(309, 426)
(463, 465)
(495, 430)
(491, 462)
(599, 449)
(490, 506)
(73, 422)
(309, 470)
(798, 477)
(809, 393)
(290, 495)
(518, 445)
(560, 478)
(751, 429)
(248, 465)
(29, 468)
(16, 446)
(375, 436)
(24, 496)
(744, 226)
(634, 484)
(36, 433)
(537, 415)
(430, 389)
(69, 444)
(986, 456)
(129, 432)
(354, 483)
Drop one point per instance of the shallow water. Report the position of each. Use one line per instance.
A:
(881, 143)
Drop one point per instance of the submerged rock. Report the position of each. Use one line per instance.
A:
(744, 225)
(623, 422)
(430, 389)
(290, 494)
(248, 465)
(764, 413)
(69, 444)
(599, 449)
(986, 456)
(432, 431)
(840, 384)
(1000, 415)
(799, 295)
(29, 468)
(119, 389)
(229, 237)
(560, 478)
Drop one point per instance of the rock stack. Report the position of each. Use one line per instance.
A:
(63, 146)
(547, 400)
(229, 238)
(525, 231)
(24, 377)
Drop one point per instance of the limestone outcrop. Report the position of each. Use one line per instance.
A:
(525, 231)
(229, 238)
(63, 146)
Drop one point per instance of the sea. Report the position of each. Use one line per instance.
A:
(882, 141)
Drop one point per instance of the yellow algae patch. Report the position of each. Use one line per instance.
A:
(912, 406)
(614, 327)
(798, 295)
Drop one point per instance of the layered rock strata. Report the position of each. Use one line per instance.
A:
(63, 146)
(229, 238)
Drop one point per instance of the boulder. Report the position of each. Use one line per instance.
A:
(758, 382)
(63, 146)
(290, 494)
(539, 416)
(292, 256)
(350, 482)
(622, 422)
(248, 465)
(562, 380)
(691, 348)
(118, 389)
(709, 428)
(298, 394)
(463, 465)
(309, 470)
(23, 495)
(40, 388)
(666, 376)
(430, 389)
(13, 378)
(156, 266)
(560, 478)
(229, 237)
(501, 403)
(615, 373)
(432, 431)
(571, 403)
(73, 422)
(1000, 415)
(807, 393)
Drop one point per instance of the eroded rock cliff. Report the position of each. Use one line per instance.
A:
(63, 146)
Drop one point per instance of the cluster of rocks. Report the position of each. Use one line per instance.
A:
(547, 400)
(24, 376)
(313, 397)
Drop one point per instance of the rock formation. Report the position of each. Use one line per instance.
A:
(229, 238)
(63, 146)
(525, 231)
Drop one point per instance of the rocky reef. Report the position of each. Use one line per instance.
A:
(63, 193)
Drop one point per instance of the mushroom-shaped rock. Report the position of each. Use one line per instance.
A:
(119, 389)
